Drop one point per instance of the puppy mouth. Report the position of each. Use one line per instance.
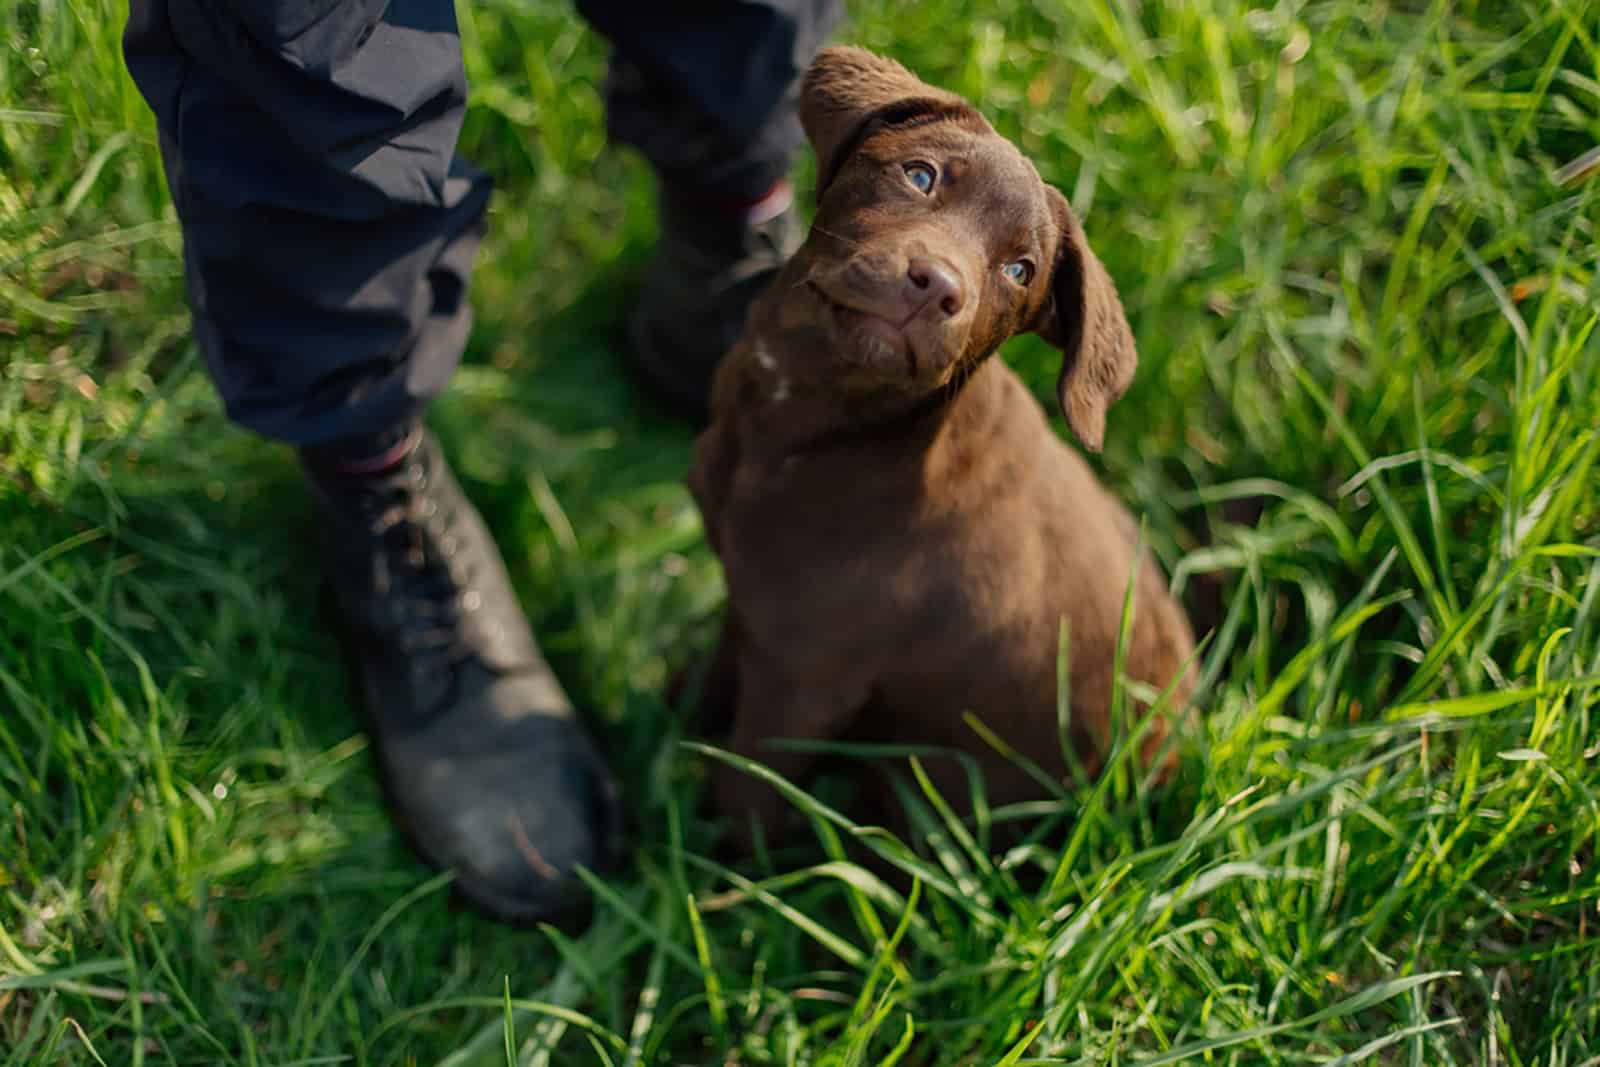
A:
(867, 323)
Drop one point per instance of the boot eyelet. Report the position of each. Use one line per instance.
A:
(471, 600)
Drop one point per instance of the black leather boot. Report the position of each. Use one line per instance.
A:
(484, 762)
(709, 266)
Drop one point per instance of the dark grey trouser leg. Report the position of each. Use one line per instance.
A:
(706, 90)
(328, 225)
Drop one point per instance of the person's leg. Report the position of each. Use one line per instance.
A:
(706, 92)
(328, 233)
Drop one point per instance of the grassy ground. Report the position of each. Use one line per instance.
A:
(1360, 290)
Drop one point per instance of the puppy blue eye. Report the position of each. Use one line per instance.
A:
(1019, 271)
(922, 176)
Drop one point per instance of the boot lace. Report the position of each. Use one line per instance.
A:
(426, 584)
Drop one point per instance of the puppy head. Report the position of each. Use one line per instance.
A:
(935, 241)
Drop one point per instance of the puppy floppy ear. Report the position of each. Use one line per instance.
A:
(1084, 318)
(849, 92)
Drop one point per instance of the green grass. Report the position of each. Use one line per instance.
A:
(1359, 291)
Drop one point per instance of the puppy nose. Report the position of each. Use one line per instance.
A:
(934, 283)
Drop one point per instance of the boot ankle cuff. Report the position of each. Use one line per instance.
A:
(752, 210)
(777, 200)
(360, 456)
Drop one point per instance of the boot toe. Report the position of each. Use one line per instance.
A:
(514, 810)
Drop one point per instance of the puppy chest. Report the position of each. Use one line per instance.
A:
(879, 584)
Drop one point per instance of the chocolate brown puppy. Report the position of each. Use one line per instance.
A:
(901, 531)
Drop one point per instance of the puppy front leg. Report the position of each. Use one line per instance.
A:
(719, 691)
(776, 704)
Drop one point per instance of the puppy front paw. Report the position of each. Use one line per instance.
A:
(748, 808)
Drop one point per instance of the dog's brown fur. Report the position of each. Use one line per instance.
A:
(901, 531)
